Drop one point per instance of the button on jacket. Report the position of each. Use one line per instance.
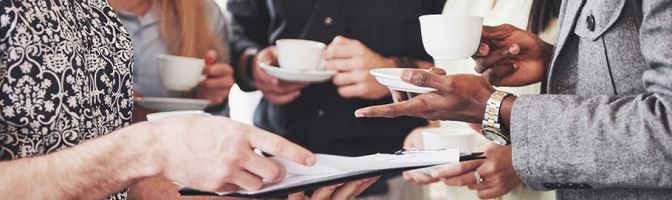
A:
(320, 119)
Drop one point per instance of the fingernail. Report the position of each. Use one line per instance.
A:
(310, 161)
(359, 114)
(407, 76)
(435, 174)
(481, 49)
(514, 49)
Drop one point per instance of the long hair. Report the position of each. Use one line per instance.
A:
(186, 27)
(543, 11)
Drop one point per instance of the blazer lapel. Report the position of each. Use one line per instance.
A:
(569, 12)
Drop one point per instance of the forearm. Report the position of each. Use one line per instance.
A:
(92, 170)
(602, 141)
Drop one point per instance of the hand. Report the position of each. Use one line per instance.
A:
(497, 172)
(459, 97)
(509, 56)
(353, 60)
(345, 191)
(414, 141)
(216, 154)
(218, 80)
(275, 90)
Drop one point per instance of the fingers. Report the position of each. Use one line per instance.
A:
(263, 167)
(494, 75)
(297, 196)
(218, 69)
(467, 178)
(457, 169)
(365, 186)
(352, 189)
(247, 180)
(399, 96)
(483, 50)
(210, 57)
(496, 57)
(497, 32)
(489, 193)
(350, 91)
(278, 146)
(342, 47)
(423, 78)
(346, 64)
(228, 188)
(324, 193)
(349, 78)
(393, 110)
(418, 178)
(218, 83)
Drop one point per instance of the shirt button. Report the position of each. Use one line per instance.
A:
(328, 21)
(590, 22)
(320, 113)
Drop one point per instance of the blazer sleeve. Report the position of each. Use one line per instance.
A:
(603, 141)
(250, 21)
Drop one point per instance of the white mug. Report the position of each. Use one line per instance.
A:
(450, 37)
(447, 138)
(301, 54)
(179, 73)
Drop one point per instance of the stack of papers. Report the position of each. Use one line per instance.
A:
(331, 167)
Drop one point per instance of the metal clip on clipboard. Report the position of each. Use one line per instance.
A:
(464, 155)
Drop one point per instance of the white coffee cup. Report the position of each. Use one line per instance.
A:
(301, 54)
(447, 138)
(179, 73)
(449, 37)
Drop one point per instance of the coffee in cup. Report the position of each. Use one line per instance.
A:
(178, 73)
(301, 54)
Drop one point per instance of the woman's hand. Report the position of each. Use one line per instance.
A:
(337, 192)
(496, 170)
(509, 56)
(218, 80)
(353, 60)
(459, 97)
(275, 90)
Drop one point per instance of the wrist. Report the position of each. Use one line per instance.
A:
(145, 150)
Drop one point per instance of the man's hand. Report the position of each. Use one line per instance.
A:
(218, 80)
(353, 60)
(337, 192)
(509, 56)
(275, 90)
(216, 153)
(459, 97)
(497, 172)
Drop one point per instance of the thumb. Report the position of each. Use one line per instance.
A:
(423, 78)
(210, 57)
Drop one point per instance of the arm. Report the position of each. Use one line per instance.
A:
(249, 33)
(603, 141)
(97, 168)
(84, 171)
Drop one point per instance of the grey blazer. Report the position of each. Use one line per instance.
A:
(604, 128)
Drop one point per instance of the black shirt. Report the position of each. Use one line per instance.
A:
(320, 119)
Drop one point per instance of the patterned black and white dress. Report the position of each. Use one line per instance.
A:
(65, 75)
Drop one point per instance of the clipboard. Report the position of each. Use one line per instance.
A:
(324, 181)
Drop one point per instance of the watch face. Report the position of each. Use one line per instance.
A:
(493, 136)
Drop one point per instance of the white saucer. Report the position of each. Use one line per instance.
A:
(296, 75)
(171, 104)
(391, 77)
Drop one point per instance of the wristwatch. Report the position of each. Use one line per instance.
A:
(491, 128)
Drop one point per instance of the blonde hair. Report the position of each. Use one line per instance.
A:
(186, 27)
